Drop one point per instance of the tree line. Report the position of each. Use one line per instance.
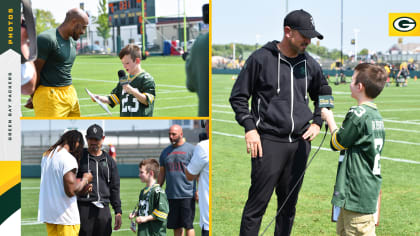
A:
(226, 50)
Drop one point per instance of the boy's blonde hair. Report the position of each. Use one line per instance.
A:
(372, 76)
(132, 50)
(151, 165)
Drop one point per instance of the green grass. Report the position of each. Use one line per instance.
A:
(99, 75)
(231, 165)
(129, 194)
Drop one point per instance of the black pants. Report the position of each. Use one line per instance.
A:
(93, 220)
(204, 232)
(280, 167)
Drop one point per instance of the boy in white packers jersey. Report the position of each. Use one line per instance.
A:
(362, 137)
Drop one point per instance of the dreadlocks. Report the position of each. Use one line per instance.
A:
(71, 138)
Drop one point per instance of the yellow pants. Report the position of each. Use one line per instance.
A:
(56, 102)
(62, 230)
(351, 223)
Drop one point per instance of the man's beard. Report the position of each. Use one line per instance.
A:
(174, 141)
(75, 36)
(299, 48)
(94, 148)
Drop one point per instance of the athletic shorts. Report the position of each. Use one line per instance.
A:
(353, 223)
(62, 230)
(181, 213)
(56, 102)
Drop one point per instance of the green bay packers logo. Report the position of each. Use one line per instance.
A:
(404, 24)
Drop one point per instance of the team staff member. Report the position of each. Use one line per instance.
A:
(57, 193)
(197, 68)
(94, 209)
(56, 96)
(278, 77)
(180, 192)
(199, 168)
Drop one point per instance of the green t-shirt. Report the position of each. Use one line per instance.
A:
(129, 105)
(358, 182)
(59, 55)
(153, 201)
(197, 69)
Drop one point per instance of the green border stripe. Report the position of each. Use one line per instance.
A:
(9, 202)
(10, 25)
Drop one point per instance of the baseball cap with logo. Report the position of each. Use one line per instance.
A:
(94, 131)
(303, 22)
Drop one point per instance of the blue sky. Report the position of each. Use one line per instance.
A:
(242, 20)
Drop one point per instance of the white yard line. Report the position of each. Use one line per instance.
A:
(393, 129)
(324, 149)
(387, 140)
(116, 81)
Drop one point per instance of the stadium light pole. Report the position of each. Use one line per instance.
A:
(356, 31)
(143, 35)
(185, 29)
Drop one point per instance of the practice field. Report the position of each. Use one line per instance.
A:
(99, 75)
(129, 193)
(400, 166)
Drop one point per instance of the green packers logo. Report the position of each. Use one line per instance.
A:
(404, 24)
(299, 72)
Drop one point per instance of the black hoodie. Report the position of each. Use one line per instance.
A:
(106, 180)
(278, 87)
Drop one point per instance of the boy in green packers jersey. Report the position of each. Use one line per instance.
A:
(135, 95)
(362, 137)
(153, 207)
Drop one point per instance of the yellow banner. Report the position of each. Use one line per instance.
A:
(404, 24)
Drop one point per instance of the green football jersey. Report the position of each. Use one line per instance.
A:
(59, 55)
(362, 136)
(153, 201)
(129, 105)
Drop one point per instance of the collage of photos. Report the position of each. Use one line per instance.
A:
(209, 117)
(110, 125)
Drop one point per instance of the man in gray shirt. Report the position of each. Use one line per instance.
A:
(173, 160)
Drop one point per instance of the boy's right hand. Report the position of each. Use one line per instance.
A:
(326, 114)
(131, 216)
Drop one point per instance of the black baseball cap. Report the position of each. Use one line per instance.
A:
(303, 22)
(94, 131)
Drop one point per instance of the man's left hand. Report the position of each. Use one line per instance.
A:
(311, 132)
(118, 221)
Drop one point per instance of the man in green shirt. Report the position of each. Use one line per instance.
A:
(362, 136)
(55, 95)
(197, 68)
(153, 207)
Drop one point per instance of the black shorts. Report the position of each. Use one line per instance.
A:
(181, 213)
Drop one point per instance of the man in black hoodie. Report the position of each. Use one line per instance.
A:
(95, 215)
(278, 131)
